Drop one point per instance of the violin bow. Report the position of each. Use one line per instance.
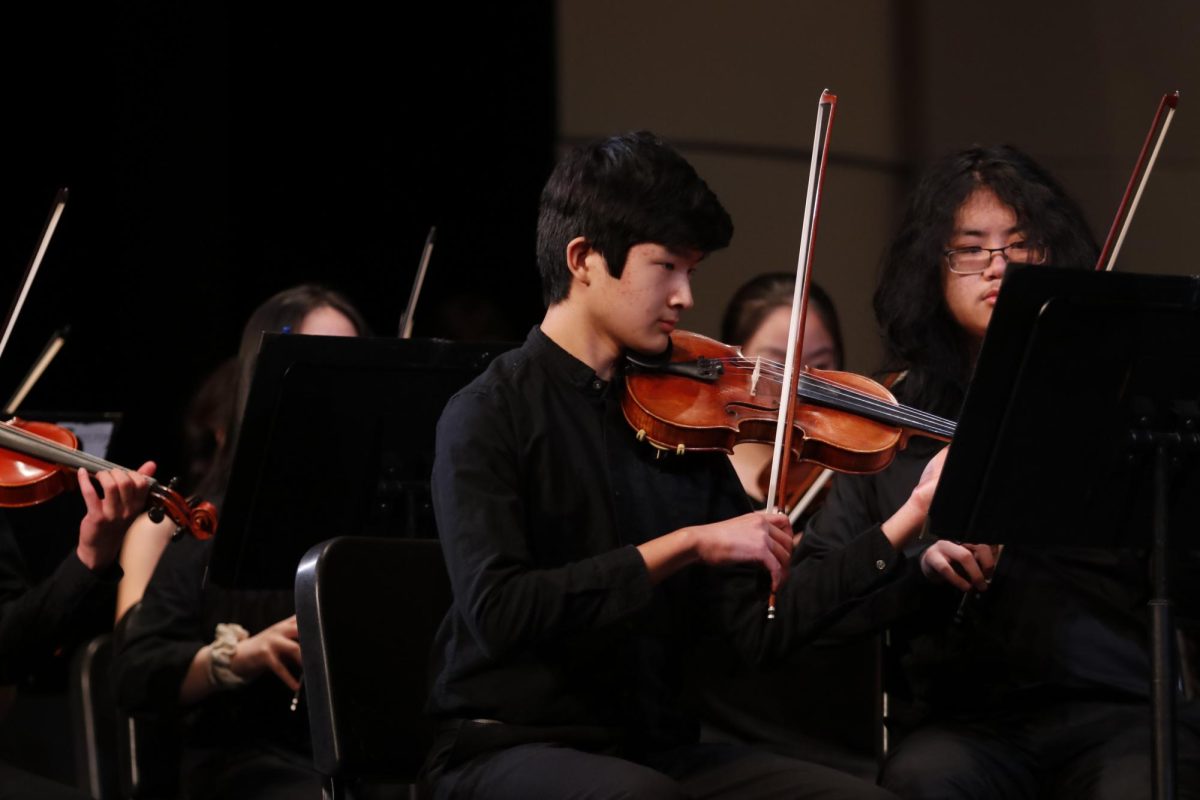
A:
(56, 212)
(777, 488)
(406, 321)
(53, 346)
(1140, 177)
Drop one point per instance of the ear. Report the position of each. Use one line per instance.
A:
(583, 260)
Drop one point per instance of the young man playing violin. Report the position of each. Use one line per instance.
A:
(37, 617)
(583, 565)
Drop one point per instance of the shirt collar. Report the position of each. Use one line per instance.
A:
(564, 365)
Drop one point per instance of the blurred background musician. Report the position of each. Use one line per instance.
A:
(238, 690)
(43, 616)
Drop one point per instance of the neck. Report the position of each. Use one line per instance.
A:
(570, 328)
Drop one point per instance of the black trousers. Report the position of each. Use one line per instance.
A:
(1086, 750)
(548, 771)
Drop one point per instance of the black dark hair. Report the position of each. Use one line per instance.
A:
(622, 191)
(282, 312)
(920, 335)
(759, 296)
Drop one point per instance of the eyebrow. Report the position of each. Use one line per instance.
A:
(974, 232)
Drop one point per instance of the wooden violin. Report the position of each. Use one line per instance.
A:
(703, 395)
(38, 461)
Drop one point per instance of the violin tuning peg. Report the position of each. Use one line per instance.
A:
(155, 512)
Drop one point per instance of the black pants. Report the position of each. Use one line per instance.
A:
(1092, 750)
(698, 771)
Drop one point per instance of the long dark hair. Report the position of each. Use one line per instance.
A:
(282, 312)
(920, 335)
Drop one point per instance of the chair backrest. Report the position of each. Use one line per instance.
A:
(149, 745)
(367, 610)
(94, 719)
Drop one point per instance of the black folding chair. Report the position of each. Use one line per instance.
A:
(367, 610)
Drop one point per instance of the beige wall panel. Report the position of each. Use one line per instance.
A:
(1077, 89)
(746, 72)
(766, 200)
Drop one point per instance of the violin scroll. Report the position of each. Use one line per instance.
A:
(197, 517)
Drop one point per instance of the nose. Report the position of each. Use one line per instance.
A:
(996, 266)
(681, 297)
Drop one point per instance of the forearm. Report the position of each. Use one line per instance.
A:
(903, 526)
(197, 681)
(668, 554)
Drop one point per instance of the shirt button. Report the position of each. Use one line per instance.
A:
(597, 385)
(880, 564)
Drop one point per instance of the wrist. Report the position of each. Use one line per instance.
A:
(93, 558)
(904, 525)
(221, 655)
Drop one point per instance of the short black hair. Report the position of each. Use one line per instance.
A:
(759, 296)
(622, 191)
(920, 334)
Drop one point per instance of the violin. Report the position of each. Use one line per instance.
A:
(702, 395)
(38, 462)
(808, 482)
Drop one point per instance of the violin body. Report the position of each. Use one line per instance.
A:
(707, 397)
(28, 481)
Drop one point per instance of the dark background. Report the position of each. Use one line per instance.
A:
(216, 155)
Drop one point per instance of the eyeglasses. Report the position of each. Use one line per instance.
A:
(974, 260)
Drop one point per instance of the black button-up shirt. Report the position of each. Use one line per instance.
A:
(541, 494)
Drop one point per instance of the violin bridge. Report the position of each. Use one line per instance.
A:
(755, 375)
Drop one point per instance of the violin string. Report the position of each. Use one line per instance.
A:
(845, 397)
(866, 401)
(69, 456)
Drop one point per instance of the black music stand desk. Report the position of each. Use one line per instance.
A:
(336, 440)
(1080, 428)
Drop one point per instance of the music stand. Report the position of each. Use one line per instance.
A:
(1080, 428)
(336, 440)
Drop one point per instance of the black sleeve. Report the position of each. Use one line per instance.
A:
(506, 598)
(855, 509)
(157, 643)
(35, 620)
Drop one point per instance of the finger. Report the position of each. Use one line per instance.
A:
(951, 576)
(290, 650)
(781, 553)
(289, 627)
(91, 499)
(148, 469)
(796, 540)
(984, 557)
(965, 560)
(284, 674)
(122, 492)
(776, 571)
(108, 488)
(780, 521)
(938, 567)
(781, 537)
